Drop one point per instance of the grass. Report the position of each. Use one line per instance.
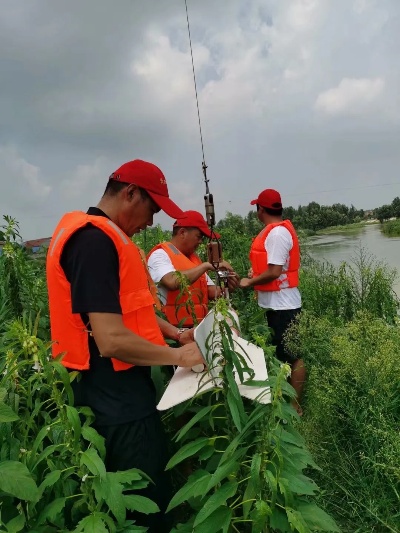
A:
(348, 228)
(391, 228)
(349, 337)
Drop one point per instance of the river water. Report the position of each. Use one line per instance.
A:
(344, 245)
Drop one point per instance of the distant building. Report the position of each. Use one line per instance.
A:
(36, 245)
(368, 214)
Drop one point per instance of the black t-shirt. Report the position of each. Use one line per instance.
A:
(91, 265)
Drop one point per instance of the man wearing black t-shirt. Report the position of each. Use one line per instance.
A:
(105, 323)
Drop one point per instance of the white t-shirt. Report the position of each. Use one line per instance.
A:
(278, 244)
(160, 264)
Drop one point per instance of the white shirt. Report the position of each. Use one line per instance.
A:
(159, 265)
(278, 244)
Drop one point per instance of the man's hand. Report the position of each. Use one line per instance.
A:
(250, 273)
(186, 337)
(190, 355)
(208, 266)
(245, 283)
(233, 281)
(224, 265)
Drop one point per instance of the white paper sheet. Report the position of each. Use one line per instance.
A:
(185, 383)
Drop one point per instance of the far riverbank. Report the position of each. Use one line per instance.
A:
(342, 244)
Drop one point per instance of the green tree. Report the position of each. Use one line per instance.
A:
(384, 213)
(396, 207)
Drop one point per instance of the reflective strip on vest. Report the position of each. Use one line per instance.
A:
(56, 240)
(173, 248)
(119, 231)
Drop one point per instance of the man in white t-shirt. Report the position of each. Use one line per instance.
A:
(179, 255)
(274, 274)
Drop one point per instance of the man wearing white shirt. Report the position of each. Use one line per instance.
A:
(179, 255)
(275, 261)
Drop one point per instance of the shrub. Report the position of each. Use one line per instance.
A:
(250, 460)
(340, 292)
(353, 416)
(391, 228)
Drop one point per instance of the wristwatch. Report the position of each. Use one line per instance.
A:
(179, 333)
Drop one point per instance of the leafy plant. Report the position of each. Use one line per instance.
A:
(249, 468)
(340, 292)
(23, 288)
(52, 474)
(352, 416)
(391, 228)
(250, 459)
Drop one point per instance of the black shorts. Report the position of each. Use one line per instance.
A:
(279, 321)
(142, 444)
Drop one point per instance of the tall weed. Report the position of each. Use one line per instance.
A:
(352, 416)
(391, 228)
(23, 289)
(250, 460)
(340, 292)
(52, 474)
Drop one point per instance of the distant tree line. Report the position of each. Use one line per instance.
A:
(316, 217)
(387, 211)
(312, 217)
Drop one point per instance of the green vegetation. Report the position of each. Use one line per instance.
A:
(250, 460)
(352, 417)
(237, 467)
(53, 478)
(339, 293)
(391, 228)
(316, 217)
(388, 210)
(52, 474)
(355, 227)
(349, 338)
(309, 219)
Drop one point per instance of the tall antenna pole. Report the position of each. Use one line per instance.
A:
(208, 198)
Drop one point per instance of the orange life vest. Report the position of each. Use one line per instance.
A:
(68, 332)
(177, 308)
(152, 285)
(259, 259)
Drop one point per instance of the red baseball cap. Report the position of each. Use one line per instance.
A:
(268, 198)
(150, 178)
(194, 219)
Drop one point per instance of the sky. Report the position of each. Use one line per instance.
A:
(298, 95)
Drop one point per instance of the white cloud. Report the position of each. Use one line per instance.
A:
(248, 62)
(25, 190)
(162, 61)
(301, 14)
(85, 180)
(25, 178)
(351, 96)
(360, 6)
